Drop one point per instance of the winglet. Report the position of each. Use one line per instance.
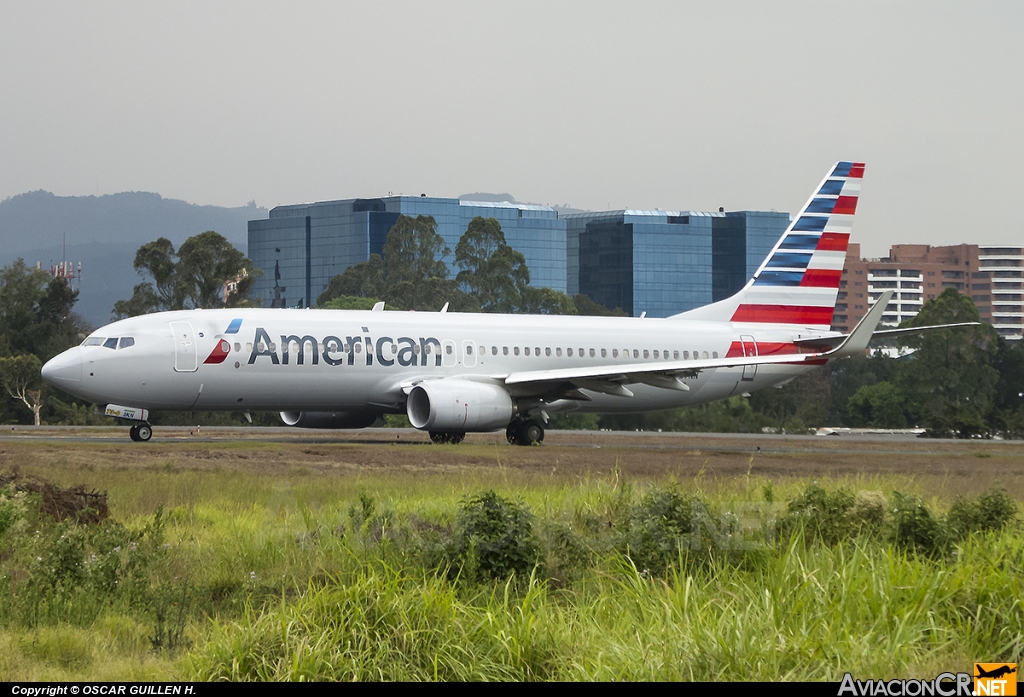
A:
(860, 337)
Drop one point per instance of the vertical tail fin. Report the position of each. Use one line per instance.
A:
(798, 282)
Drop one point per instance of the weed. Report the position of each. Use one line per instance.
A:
(822, 515)
(493, 538)
(915, 528)
(993, 510)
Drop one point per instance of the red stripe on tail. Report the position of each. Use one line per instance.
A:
(833, 241)
(821, 278)
(784, 314)
(845, 205)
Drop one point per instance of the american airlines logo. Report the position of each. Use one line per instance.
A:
(223, 347)
(405, 351)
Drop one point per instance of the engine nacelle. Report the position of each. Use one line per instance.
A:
(328, 419)
(459, 405)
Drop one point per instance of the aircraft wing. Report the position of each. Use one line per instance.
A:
(667, 374)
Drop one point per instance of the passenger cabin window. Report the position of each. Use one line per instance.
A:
(591, 353)
(615, 353)
(504, 350)
(604, 353)
(568, 352)
(558, 352)
(526, 350)
(126, 341)
(515, 350)
(494, 351)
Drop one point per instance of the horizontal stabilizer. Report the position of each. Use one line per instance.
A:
(827, 343)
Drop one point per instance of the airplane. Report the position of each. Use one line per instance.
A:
(454, 373)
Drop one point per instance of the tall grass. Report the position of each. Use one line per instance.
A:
(250, 578)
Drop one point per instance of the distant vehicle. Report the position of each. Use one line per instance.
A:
(454, 373)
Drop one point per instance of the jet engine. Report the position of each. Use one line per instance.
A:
(459, 405)
(328, 419)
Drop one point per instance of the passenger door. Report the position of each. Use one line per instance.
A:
(186, 353)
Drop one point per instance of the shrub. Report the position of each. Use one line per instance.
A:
(822, 515)
(493, 538)
(915, 528)
(567, 554)
(667, 526)
(993, 510)
(868, 513)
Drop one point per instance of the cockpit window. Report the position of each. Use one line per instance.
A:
(94, 341)
(126, 341)
(110, 343)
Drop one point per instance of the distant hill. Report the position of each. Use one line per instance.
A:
(103, 233)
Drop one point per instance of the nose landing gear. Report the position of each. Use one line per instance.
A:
(141, 432)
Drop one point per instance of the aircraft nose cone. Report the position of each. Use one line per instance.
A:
(66, 367)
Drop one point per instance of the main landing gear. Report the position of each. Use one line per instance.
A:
(442, 437)
(525, 432)
(141, 432)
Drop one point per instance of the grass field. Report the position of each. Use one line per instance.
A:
(630, 558)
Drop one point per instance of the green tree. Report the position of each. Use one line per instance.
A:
(881, 405)
(798, 405)
(195, 276)
(36, 314)
(950, 376)
(546, 301)
(586, 306)
(349, 302)
(363, 280)
(493, 273)
(410, 275)
(851, 374)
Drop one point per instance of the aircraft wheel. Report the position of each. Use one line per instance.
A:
(456, 438)
(530, 433)
(510, 432)
(144, 432)
(133, 433)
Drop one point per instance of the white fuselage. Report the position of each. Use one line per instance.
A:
(323, 360)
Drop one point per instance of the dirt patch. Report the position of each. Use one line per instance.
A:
(952, 467)
(61, 503)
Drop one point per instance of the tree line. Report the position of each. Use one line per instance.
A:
(966, 382)
(411, 274)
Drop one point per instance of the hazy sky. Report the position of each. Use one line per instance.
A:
(594, 104)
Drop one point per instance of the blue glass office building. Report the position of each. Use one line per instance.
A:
(665, 262)
(301, 247)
